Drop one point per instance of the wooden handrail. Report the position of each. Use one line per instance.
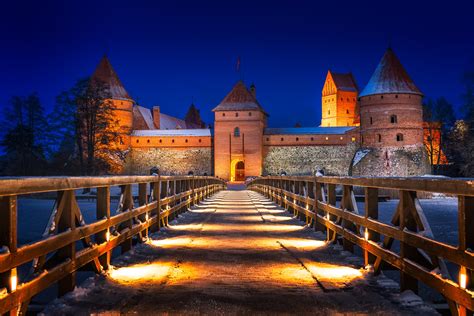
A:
(420, 255)
(55, 257)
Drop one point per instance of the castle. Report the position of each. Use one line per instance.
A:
(375, 132)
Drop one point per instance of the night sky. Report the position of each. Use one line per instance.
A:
(167, 53)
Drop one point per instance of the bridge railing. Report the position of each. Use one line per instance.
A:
(68, 244)
(406, 244)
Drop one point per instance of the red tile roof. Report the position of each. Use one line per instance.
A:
(105, 73)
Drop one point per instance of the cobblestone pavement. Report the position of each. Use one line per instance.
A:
(237, 253)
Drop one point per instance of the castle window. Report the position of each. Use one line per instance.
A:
(223, 114)
(347, 99)
(172, 140)
(347, 111)
(199, 140)
(121, 103)
(236, 114)
(371, 121)
(312, 138)
(399, 137)
(353, 139)
(342, 99)
(393, 119)
(297, 139)
(379, 138)
(396, 96)
(148, 141)
(250, 113)
(236, 132)
(329, 112)
(381, 97)
(268, 139)
(185, 140)
(161, 141)
(281, 139)
(138, 141)
(327, 138)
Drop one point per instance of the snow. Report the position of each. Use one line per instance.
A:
(359, 155)
(409, 299)
(203, 132)
(146, 114)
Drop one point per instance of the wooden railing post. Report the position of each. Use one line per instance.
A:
(67, 221)
(103, 211)
(372, 212)
(331, 189)
(8, 238)
(142, 200)
(348, 205)
(156, 197)
(407, 282)
(317, 192)
(126, 205)
(466, 241)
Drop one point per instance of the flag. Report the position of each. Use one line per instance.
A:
(237, 66)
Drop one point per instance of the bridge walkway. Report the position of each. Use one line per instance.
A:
(237, 253)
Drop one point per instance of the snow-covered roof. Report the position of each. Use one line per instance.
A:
(105, 73)
(147, 116)
(390, 77)
(308, 130)
(344, 82)
(173, 132)
(238, 99)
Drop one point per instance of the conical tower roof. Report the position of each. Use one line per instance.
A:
(238, 99)
(390, 77)
(105, 73)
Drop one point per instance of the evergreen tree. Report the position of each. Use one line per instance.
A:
(24, 140)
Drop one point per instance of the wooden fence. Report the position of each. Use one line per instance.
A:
(56, 257)
(420, 256)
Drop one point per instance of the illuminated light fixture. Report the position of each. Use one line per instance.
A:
(463, 278)
(327, 216)
(146, 216)
(327, 138)
(13, 280)
(107, 235)
(366, 234)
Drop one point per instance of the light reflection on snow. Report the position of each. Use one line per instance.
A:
(139, 272)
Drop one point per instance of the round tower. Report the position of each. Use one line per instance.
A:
(120, 99)
(391, 113)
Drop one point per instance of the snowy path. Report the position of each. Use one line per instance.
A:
(237, 253)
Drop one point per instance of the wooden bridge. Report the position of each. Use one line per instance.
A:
(285, 245)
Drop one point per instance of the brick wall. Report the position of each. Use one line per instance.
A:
(303, 160)
(170, 161)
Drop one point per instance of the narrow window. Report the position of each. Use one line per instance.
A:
(236, 132)
(223, 114)
(250, 113)
(161, 141)
(297, 139)
(236, 114)
(371, 121)
(393, 119)
(381, 97)
(347, 111)
(329, 112)
(172, 140)
(185, 140)
(268, 139)
(379, 138)
(399, 137)
(199, 140)
(281, 139)
(138, 141)
(312, 138)
(148, 141)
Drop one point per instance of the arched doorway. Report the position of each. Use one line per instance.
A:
(239, 171)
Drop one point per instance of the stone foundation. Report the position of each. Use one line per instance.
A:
(170, 161)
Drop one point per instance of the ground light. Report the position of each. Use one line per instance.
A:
(13, 280)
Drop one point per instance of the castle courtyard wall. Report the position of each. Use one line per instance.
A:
(170, 161)
(303, 160)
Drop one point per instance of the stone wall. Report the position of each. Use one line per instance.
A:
(393, 162)
(303, 160)
(170, 161)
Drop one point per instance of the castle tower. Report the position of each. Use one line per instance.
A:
(391, 124)
(120, 99)
(390, 107)
(339, 99)
(239, 121)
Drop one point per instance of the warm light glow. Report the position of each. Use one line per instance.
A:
(334, 273)
(13, 280)
(366, 234)
(170, 242)
(139, 273)
(463, 278)
(327, 216)
(146, 216)
(307, 244)
(107, 235)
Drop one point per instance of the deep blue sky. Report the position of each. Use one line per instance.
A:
(167, 52)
